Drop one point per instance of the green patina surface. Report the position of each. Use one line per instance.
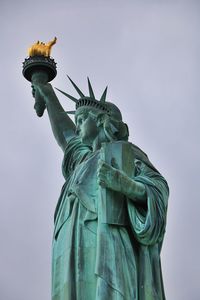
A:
(111, 215)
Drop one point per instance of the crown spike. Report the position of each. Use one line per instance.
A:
(103, 97)
(90, 89)
(71, 112)
(76, 88)
(67, 95)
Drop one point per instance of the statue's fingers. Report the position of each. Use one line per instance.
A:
(33, 90)
(106, 169)
(105, 166)
(101, 163)
(101, 183)
(33, 93)
(101, 174)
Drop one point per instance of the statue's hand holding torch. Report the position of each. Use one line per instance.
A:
(40, 68)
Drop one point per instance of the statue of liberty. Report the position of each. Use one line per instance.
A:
(111, 214)
(98, 257)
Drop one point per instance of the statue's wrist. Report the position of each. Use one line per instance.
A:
(131, 188)
(49, 96)
(126, 185)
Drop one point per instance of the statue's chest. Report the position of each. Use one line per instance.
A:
(84, 182)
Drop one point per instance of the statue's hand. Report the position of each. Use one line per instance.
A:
(33, 90)
(45, 90)
(108, 176)
(116, 180)
(43, 94)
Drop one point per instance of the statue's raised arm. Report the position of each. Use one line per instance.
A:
(62, 126)
(40, 68)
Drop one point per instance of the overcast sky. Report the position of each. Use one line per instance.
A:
(147, 52)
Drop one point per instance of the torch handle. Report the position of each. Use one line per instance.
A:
(39, 77)
(39, 105)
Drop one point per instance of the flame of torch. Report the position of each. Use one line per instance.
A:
(41, 48)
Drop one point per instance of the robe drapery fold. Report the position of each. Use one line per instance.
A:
(93, 261)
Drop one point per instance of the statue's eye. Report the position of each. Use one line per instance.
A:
(81, 119)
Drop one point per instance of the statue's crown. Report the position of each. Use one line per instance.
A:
(91, 102)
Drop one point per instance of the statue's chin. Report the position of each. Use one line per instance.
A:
(85, 141)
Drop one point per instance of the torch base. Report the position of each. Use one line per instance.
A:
(39, 63)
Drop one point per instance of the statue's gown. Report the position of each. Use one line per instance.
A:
(106, 262)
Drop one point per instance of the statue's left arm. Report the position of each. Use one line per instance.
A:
(118, 181)
(147, 195)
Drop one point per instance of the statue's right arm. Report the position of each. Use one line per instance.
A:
(62, 126)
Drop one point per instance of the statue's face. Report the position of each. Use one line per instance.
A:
(86, 128)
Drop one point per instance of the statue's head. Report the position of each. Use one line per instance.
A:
(93, 116)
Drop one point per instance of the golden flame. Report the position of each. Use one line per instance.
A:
(41, 48)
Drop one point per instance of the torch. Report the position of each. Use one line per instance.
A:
(40, 68)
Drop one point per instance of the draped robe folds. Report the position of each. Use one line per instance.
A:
(107, 262)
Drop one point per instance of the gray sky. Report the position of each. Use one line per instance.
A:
(148, 54)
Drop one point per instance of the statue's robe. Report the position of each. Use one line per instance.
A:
(107, 262)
